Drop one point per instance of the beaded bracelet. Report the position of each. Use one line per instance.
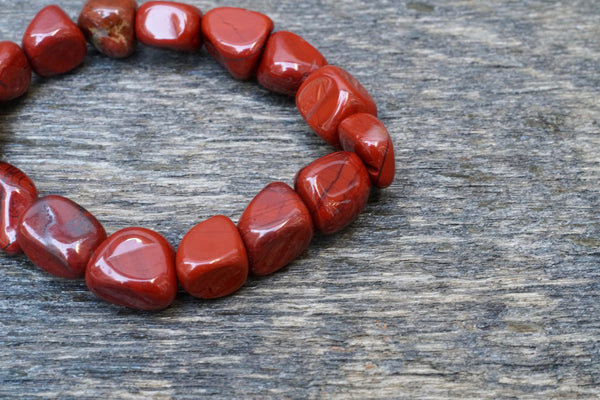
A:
(137, 267)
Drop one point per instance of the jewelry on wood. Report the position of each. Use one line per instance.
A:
(137, 267)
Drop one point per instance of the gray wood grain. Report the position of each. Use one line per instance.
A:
(475, 275)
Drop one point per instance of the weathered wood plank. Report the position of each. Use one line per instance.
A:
(474, 276)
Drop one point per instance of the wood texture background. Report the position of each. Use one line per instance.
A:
(475, 275)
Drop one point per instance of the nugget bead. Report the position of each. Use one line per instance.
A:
(15, 72)
(170, 25)
(135, 268)
(335, 188)
(109, 25)
(366, 135)
(53, 43)
(276, 228)
(286, 62)
(211, 260)
(17, 193)
(235, 37)
(59, 236)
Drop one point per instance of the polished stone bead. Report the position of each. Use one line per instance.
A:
(327, 97)
(53, 43)
(366, 135)
(235, 37)
(109, 25)
(15, 72)
(286, 62)
(211, 259)
(170, 25)
(17, 193)
(135, 268)
(335, 188)
(59, 236)
(276, 228)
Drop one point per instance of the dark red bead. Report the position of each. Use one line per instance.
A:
(211, 259)
(235, 37)
(286, 62)
(59, 236)
(327, 97)
(276, 228)
(53, 43)
(169, 25)
(109, 25)
(366, 135)
(17, 193)
(135, 268)
(335, 188)
(15, 72)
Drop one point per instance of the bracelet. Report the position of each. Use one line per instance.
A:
(137, 267)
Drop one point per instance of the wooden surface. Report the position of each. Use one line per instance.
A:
(475, 275)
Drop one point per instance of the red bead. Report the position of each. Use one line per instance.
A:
(110, 26)
(287, 61)
(211, 259)
(327, 97)
(365, 135)
(15, 72)
(335, 188)
(53, 43)
(235, 37)
(169, 25)
(276, 228)
(59, 236)
(17, 193)
(135, 268)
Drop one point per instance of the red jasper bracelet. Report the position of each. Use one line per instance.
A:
(138, 268)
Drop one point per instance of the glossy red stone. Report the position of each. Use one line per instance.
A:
(286, 62)
(15, 72)
(53, 43)
(366, 135)
(135, 268)
(17, 193)
(335, 188)
(235, 37)
(276, 228)
(59, 236)
(327, 97)
(211, 259)
(109, 25)
(169, 25)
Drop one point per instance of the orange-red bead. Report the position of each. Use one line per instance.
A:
(135, 268)
(276, 228)
(235, 37)
(335, 188)
(15, 72)
(59, 236)
(170, 25)
(17, 193)
(366, 135)
(211, 259)
(109, 25)
(286, 62)
(53, 43)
